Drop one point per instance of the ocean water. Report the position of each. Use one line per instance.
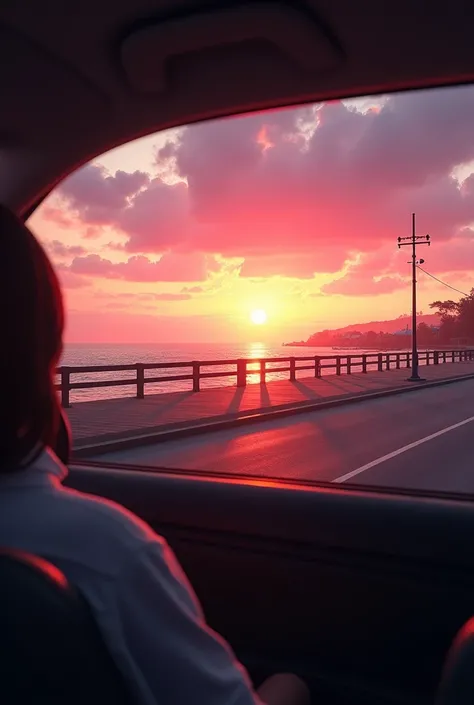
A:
(79, 355)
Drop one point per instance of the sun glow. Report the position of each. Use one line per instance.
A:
(258, 316)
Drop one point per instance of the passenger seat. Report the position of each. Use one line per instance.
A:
(51, 651)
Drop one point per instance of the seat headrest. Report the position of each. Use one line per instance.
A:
(51, 648)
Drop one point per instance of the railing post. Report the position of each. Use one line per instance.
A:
(349, 364)
(338, 365)
(241, 373)
(427, 357)
(196, 376)
(65, 387)
(453, 356)
(263, 372)
(292, 369)
(364, 363)
(397, 361)
(317, 366)
(380, 362)
(444, 355)
(436, 357)
(140, 380)
(387, 361)
(408, 360)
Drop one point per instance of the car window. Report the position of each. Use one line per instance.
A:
(261, 268)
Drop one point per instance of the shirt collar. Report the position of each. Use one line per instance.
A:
(46, 468)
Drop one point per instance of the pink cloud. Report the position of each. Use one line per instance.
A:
(356, 284)
(172, 297)
(171, 267)
(57, 215)
(192, 290)
(124, 299)
(454, 255)
(158, 219)
(59, 249)
(70, 280)
(375, 273)
(294, 192)
(115, 305)
(301, 266)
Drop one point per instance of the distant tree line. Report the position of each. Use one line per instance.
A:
(374, 340)
(457, 319)
(456, 328)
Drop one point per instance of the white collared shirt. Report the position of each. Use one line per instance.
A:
(145, 608)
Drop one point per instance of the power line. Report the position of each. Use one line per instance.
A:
(441, 282)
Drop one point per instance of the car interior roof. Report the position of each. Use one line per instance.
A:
(80, 78)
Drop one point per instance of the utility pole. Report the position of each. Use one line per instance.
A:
(413, 241)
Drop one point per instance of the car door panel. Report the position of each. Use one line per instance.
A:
(360, 592)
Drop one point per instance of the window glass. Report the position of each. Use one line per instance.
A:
(275, 237)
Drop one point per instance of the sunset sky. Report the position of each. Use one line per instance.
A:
(180, 236)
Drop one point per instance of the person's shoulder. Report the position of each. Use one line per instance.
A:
(87, 530)
(100, 535)
(106, 520)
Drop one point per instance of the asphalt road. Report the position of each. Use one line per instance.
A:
(422, 440)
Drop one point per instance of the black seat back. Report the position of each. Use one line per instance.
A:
(51, 650)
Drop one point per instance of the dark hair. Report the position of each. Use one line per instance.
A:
(31, 325)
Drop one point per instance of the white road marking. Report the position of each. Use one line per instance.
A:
(389, 456)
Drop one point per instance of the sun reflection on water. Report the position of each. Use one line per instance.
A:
(257, 350)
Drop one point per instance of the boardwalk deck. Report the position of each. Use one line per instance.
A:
(99, 421)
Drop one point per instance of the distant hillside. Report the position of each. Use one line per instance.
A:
(431, 319)
(373, 333)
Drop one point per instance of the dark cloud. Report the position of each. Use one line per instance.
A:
(98, 197)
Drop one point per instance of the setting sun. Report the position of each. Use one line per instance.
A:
(258, 316)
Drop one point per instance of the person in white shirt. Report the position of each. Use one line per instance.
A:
(146, 610)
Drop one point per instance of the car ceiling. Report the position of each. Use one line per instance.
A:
(80, 77)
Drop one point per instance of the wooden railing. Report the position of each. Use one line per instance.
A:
(196, 370)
